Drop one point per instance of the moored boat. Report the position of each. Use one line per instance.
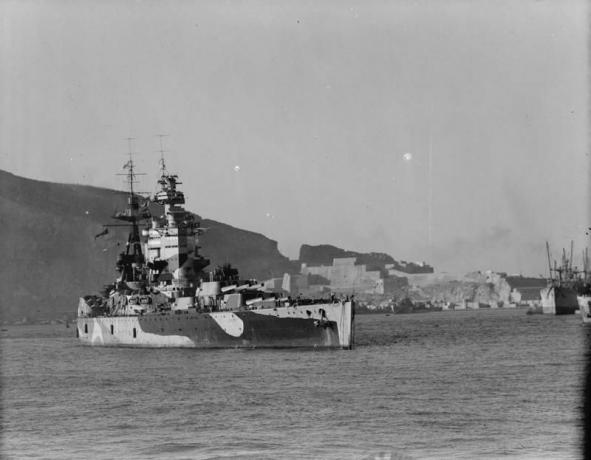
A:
(560, 296)
(558, 299)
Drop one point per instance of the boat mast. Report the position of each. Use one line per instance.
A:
(133, 242)
(162, 163)
(549, 261)
(571, 256)
(585, 264)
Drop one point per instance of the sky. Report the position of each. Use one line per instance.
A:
(451, 132)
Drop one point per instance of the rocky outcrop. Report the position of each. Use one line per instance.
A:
(487, 288)
(457, 292)
(325, 253)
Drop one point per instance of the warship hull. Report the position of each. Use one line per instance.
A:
(559, 300)
(584, 302)
(315, 326)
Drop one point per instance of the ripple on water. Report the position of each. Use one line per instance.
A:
(488, 384)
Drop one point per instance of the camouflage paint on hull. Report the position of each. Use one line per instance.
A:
(301, 326)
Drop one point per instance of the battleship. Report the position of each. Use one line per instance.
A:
(163, 296)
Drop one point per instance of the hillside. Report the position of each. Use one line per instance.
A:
(51, 256)
(324, 254)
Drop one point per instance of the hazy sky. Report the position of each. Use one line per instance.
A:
(318, 102)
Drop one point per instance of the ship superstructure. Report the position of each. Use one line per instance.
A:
(560, 296)
(164, 297)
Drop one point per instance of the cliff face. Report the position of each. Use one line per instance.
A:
(324, 254)
(457, 292)
(51, 256)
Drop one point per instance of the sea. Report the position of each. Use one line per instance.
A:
(451, 384)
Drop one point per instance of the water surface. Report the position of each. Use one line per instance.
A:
(486, 384)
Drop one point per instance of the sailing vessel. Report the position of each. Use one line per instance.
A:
(164, 297)
(560, 296)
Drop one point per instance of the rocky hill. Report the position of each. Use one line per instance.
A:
(324, 254)
(51, 256)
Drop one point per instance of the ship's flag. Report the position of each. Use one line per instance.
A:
(104, 232)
